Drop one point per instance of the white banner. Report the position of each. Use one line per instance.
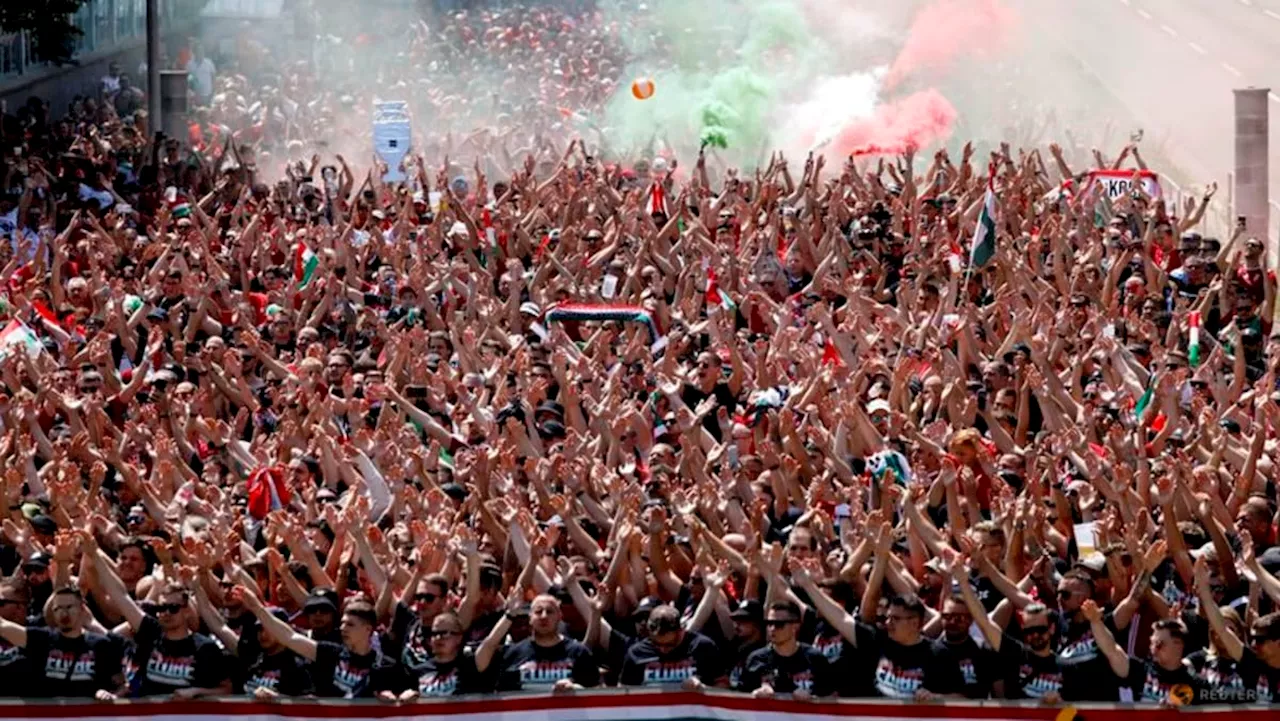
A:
(392, 136)
(1116, 183)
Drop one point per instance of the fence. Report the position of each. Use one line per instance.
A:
(620, 705)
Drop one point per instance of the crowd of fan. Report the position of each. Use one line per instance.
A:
(301, 434)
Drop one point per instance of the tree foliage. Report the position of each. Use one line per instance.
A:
(49, 23)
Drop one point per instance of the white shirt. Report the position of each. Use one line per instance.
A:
(201, 76)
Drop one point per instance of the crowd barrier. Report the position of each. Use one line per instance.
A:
(614, 706)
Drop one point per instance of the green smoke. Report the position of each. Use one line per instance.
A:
(719, 69)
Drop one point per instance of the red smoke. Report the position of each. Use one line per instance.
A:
(919, 119)
(944, 29)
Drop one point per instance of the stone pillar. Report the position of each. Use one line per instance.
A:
(1252, 170)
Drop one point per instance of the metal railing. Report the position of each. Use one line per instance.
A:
(105, 24)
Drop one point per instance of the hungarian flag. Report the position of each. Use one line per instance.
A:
(17, 336)
(984, 236)
(304, 264)
(490, 233)
(1193, 347)
(267, 491)
(714, 296)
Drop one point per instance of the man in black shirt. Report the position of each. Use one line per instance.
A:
(273, 669)
(411, 638)
(786, 665)
(670, 655)
(13, 660)
(907, 666)
(167, 658)
(449, 670)
(707, 381)
(1154, 680)
(1083, 666)
(976, 664)
(748, 637)
(1030, 666)
(66, 662)
(352, 669)
(546, 660)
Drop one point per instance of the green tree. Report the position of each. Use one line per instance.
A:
(49, 23)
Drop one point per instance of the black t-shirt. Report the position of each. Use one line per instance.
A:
(1218, 673)
(740, 657)
(339, 673)
(1028, 675)
(978, 668)
(434, 678)
(1086, 675)
(806, 670)
(1149, 683)
(159, 666)
(77, 667)
(407, 641)
(693, 395)
(696, 655)
(480, 628)
(901, 670)
(284, 672)
(529, 666)
(13, 670)
(1261, 679)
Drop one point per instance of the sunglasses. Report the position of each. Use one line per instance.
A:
(425, 597)
(443, 634)
(1029, 630)
(168, 607)
(9, 602)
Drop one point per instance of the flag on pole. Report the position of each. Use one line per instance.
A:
(714, 295)
(1193, 350)
(304, 264)
(984, 236)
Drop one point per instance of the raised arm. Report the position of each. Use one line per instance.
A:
(112, 585)
(278, 629)
(989, 629)
(830, 611)
(1116, 656)
(1231, 643)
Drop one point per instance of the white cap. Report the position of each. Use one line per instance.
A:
(878, 405)
(458, 228)
(659, 165)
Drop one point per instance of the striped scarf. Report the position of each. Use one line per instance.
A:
(594, 312)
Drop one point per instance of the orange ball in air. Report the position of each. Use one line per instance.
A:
(642, 88)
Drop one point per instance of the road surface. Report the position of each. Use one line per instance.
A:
(1172, 66)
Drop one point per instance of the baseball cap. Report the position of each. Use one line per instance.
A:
(36, 561)
(320, 601)
(748, 610)
(877, 406)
